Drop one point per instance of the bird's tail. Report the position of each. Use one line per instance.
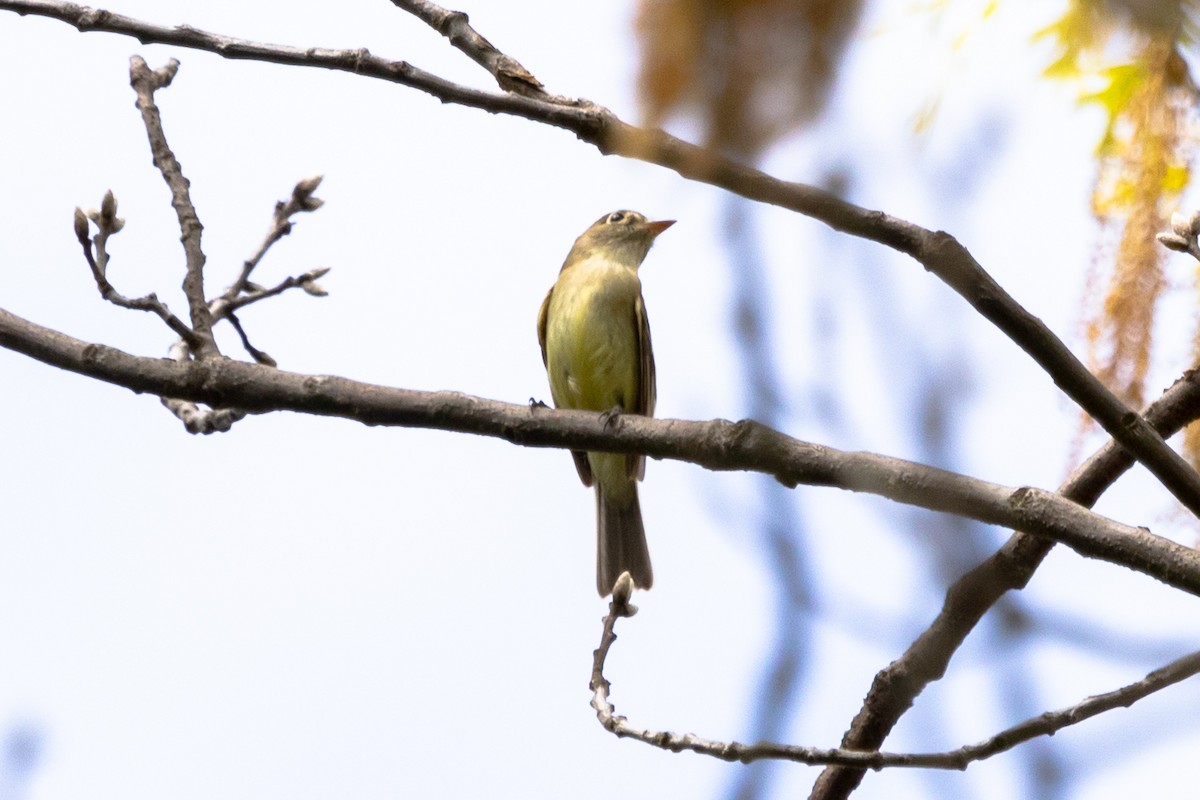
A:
(621, 540)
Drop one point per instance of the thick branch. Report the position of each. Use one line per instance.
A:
(938, 252)
(717, 445)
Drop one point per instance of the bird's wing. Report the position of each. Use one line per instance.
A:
(646, 386)
(581, 460)
(543, 314)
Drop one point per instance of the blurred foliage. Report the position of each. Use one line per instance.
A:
(1126, 56)
(1143, 166)
(749, 70)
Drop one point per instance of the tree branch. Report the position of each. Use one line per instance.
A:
(146, 82)
(849, 759)
(455, 26)
(716, 445)
(242, 293)
(109, 224)
(937, 251)
(896, 687)
(301, 200)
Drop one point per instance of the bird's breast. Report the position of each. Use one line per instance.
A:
(591, 337)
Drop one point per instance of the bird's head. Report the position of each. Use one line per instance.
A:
(624, 236)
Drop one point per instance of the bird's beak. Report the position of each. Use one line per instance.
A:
(658, 227)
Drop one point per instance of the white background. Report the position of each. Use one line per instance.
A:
(308, 608)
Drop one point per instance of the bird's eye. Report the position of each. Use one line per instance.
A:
(616, 216)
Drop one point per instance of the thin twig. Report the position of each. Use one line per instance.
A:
(254, 294)
(301, 200)
(455, 26)
(859, 760)
(109, 224)
(145, 83)
(242, 293)
(937, 251)
(1053, 721)
(259, 356)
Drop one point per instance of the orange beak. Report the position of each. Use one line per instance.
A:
(658, 227)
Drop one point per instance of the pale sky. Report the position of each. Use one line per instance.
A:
(308, 608)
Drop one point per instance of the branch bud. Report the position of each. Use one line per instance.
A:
(108, 206)
(302, 194)
(81, 226)
(106, 218)
(1173, 241)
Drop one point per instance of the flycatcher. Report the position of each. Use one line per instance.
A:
(595, 342)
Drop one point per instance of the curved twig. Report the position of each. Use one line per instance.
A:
(851, 759)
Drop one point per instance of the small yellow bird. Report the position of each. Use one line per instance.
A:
(595, 342)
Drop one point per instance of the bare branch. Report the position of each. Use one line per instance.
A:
(716, 445)
(938, 252)
(258, 355)
(357, 61)
(108, 224)
(897, 685)
(146, 82)
(302, 200)
(255, 293)
(204, 421)
(242, 293)
(860, 760)
(197, 420)
(1052, 721)
(455, 26)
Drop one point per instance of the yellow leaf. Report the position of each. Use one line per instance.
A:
(1176, 179)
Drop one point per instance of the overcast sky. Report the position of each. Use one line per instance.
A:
(308, 608)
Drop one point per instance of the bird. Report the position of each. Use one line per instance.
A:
(595, 341)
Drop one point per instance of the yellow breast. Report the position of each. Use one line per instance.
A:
(591, 336)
